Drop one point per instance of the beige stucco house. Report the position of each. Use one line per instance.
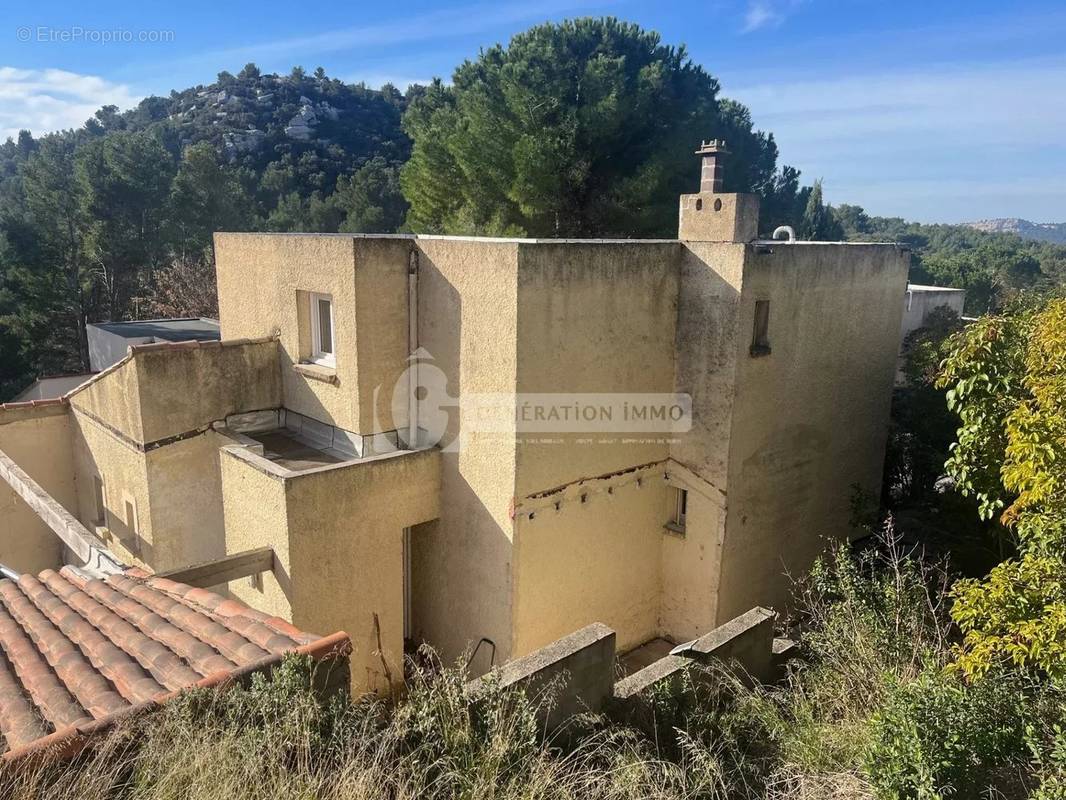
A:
(339, 427)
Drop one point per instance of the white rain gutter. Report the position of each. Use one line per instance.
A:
(412, 347)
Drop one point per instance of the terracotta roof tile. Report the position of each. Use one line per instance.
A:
(79, 653)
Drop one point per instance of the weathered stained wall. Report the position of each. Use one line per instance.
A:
(711, 276)
(256, 515)
(124, 472)
(185, 501)
(337, 535)
(144, 428)
(164, 390)
(113, 398)
(918, 301)
(590, 560)
(264, 283)
(38, 439)
(346, 553)
(595, 318)
(381, 300)
(467, 291)
(810, 419)
(690, 563)
(185, 387)
(259, 278)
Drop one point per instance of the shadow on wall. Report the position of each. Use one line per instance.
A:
(462, 570)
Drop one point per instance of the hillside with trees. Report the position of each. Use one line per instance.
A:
(991, 267)
(932, 654)
(114, 220)
(580, 129)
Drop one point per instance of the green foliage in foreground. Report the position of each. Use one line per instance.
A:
(868, 711)
(1006, 380)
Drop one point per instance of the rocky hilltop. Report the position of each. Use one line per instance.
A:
(1054, 232)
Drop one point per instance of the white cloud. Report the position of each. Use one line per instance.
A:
(944, 141)
(758, 15)
(767, 13)
(53, 99)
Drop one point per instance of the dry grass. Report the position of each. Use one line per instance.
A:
(871, 627)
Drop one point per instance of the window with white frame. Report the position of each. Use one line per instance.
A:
(680, 509)
(322, 345)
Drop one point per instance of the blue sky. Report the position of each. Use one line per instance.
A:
(935, 111)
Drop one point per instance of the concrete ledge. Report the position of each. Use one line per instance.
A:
(28, 409)
(660, 674)
(317, 372)
(222, 570)
(746, 641)
(572, 675)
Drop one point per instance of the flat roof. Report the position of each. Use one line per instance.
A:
(169, 330)
(433, 237)
(290, 452)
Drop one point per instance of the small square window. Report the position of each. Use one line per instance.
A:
(760, 338)
(322, 345)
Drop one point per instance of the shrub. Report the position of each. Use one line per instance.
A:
(942, 737)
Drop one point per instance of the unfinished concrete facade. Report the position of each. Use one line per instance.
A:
(331, 425)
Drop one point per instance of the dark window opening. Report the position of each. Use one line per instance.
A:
(760, 339)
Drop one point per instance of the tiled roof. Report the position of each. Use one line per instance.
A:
(77, 654)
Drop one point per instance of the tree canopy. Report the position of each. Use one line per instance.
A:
(584, 128)
(1006, 380)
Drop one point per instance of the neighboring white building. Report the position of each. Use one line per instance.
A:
(917, 303)
(920, 300)
(51, 386)
(108, 341)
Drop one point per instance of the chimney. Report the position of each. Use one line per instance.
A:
(711, 215)
(712, 174)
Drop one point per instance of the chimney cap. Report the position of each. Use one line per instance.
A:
(713, 146)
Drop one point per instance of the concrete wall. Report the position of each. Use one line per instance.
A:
(123, 469)
(186, 386)
(381, 300)
(596, 560)
(467, 296)
(264, 283)
(337, 534)
(38, 439)
(594, 318)
(744, 644)
(167, 390)
(573, 675)
(185, 501)
(711, 276)
(918, 301)
(113, 399)
(262, 286)
(144, 429)
(810, 418)
(255, 514)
